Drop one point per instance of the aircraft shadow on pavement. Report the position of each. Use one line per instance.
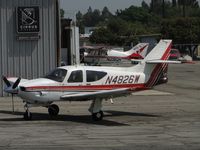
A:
(124, 113)
(77, 118)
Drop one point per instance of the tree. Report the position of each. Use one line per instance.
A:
(138, 14)
(106, 14)
(91, 18)
(119, 32)
(156, 6)
(87, 18)
(79, 16)
(79, 22)
(96, 17)
(160, 7)
(101, 35)
(145, 5)
(187, 3)
(124, 27)
(182, 30)
(191, 3)
(174, 3)
(89, 9)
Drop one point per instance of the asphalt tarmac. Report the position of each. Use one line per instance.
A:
(167, 117)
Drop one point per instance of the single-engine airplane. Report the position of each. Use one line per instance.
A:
(95, 83)
(101, 54)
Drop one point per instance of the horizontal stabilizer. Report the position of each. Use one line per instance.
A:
(136, 60)
(162, 62)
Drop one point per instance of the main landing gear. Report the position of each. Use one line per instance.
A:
(95, 109)
(97, 116)
(53, 110)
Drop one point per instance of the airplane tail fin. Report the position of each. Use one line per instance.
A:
(138, 52)
(160, 51)
(156, 62)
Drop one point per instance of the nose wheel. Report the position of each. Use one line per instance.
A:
(53, 110)
(97, 116)
(27, 115)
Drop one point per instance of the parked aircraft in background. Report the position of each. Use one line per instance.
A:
(95, 55)
(95, 83)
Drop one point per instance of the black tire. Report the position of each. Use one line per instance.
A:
(27, 116)
(53, 110)
(97, 116)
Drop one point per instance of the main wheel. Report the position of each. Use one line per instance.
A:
(53, 110)
(27, 115)
(97, 116)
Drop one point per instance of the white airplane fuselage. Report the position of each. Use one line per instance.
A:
(44, 90)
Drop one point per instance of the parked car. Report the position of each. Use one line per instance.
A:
(174, 54)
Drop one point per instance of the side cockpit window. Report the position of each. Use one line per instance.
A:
(76, 76)
(57, 75)
(92, 76)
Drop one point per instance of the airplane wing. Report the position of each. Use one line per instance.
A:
(82, 96)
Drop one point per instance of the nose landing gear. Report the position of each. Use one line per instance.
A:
(52, 109)
(27, 114)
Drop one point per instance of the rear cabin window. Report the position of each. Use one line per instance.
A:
(76, 76)
(92, 76)
(57, 75)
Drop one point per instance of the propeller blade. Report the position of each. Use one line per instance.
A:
(16, 83)
(6, 81)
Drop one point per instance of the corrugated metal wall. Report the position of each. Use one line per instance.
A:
(27, 58)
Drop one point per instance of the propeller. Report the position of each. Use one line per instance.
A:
(16, 83)
(6, 81)
(11, 89)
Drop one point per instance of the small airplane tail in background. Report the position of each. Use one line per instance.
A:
(138, 52)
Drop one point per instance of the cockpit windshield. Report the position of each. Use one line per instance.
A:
(57, 75)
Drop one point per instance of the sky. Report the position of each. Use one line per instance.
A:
(71, 7)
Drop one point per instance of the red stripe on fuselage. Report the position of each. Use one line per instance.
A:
(85, 87)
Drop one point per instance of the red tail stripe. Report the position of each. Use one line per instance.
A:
(137, 55)
(157, 68)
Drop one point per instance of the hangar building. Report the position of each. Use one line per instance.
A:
(29, 38)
